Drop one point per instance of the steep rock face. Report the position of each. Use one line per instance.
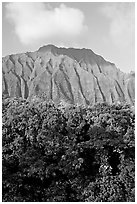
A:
(72, 75)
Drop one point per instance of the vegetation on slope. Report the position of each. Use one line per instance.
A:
(72, 153)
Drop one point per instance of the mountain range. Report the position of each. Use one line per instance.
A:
(75, 76)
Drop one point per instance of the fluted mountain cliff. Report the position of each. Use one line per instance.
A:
(76, 76)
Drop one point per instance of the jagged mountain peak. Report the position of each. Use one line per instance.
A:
(48, 48)
(79, 54)
(70, 74)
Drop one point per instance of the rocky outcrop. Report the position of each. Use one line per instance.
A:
(76, 76)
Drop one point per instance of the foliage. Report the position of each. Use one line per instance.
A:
(71, 153)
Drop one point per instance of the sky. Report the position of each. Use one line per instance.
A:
(108, 29)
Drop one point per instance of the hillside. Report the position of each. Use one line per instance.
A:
(75, 76)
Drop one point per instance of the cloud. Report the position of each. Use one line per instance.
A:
(122, 22)
(35, 22)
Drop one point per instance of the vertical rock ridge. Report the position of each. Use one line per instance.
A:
(25, 89)
(18, 82)
(80, 86)
(6, 92)
(103, 97)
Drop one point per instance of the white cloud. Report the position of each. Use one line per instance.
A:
(122, 22)
(35, 22)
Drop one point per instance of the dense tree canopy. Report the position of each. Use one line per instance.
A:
(72, 153)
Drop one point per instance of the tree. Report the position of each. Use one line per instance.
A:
(74, 153)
